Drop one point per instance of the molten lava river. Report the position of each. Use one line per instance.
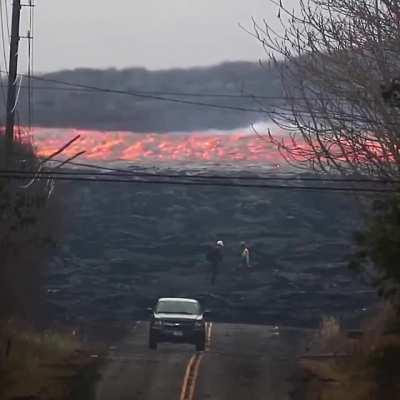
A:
(195, 148)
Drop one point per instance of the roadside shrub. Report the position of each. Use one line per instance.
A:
(366, 369)
(29, 221)
(378, 249)
(330, 337)
(385, 363)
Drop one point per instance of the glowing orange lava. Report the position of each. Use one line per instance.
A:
(133, 147)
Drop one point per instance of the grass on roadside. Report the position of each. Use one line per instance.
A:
(355, 369)
(44, 365)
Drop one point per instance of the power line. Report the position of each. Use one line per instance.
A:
(70, 177)
(124, 172)
(149, 95)
(77, 87)
(297, 176)
(7, 21)
(161, 96)
(277, 110)
(3, 36)
(168, 93)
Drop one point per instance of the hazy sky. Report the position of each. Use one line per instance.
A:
(155, 34)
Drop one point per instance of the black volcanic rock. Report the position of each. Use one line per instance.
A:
(126, 245)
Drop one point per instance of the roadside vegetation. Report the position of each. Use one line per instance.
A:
(28, 230)
(378, 250)
(45, 364)
(354, 365)
(35, 362)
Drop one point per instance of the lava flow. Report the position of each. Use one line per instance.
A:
(149, 147)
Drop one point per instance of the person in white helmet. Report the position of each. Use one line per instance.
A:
(215, 256)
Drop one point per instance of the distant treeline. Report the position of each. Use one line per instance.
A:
(69, 107)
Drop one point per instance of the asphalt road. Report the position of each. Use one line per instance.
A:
(243, 362)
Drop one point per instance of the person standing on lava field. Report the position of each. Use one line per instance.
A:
(244, 257)
(215, 256)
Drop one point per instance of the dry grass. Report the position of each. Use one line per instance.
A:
(44, 365)
(354, 369)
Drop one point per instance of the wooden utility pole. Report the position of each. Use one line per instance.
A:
(12, 78)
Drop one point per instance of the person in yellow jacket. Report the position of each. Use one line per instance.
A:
(244, 256)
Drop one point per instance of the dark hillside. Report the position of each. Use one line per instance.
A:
(80, 109)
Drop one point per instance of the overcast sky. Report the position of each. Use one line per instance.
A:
(156, 34)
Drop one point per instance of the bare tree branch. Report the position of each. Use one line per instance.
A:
(339, 63)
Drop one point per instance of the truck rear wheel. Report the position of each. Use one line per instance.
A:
(200, 345)
(152, 343)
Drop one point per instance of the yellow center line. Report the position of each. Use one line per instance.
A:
(194, 377)
(189, 367)
(192, 370)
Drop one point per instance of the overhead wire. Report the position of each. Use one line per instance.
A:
(17, 95)
(148, 95)
(279, 108)
(56, 177)
(7, 21)
(71, 86)
(339, 116)
(170, 93)
(80, 87)
(112, 172)
(297, 177)
(3, 38)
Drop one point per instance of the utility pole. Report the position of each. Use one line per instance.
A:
(12, 79)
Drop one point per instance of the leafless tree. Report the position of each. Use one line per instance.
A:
(340, 68)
